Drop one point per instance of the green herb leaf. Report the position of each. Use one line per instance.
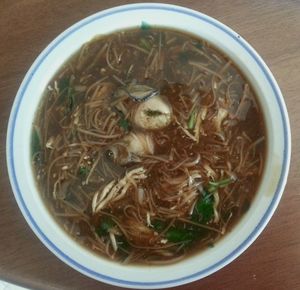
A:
(83, 171)
(124, 124)
(192, 120)
(204, 208)
(67, 93)
(180, 235)
(105, 224)
(36, 145)
(145, 25)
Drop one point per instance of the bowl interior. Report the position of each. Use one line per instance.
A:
(27, 101)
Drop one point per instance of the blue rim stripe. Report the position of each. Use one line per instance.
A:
(258, 228)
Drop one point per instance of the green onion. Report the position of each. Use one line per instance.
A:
(192, 120)
(176, 234)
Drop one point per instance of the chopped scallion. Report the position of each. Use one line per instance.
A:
(176, 235)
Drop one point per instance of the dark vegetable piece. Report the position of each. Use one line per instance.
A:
(83, 171)
(176, 234)
(36, 145)
(67, 92)
(106, 223)
(180, 235)
(145, 26)
(204, 208)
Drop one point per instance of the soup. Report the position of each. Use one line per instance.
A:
(148, 145)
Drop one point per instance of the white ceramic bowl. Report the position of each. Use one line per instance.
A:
(27, 100)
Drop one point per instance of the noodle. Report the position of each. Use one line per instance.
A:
(148, 146)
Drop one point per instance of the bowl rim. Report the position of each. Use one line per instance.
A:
(259, 227)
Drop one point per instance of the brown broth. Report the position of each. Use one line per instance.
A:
(206, 165)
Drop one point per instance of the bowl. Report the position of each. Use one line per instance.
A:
(198, 265)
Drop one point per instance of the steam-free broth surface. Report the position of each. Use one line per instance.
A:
(149, 144)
